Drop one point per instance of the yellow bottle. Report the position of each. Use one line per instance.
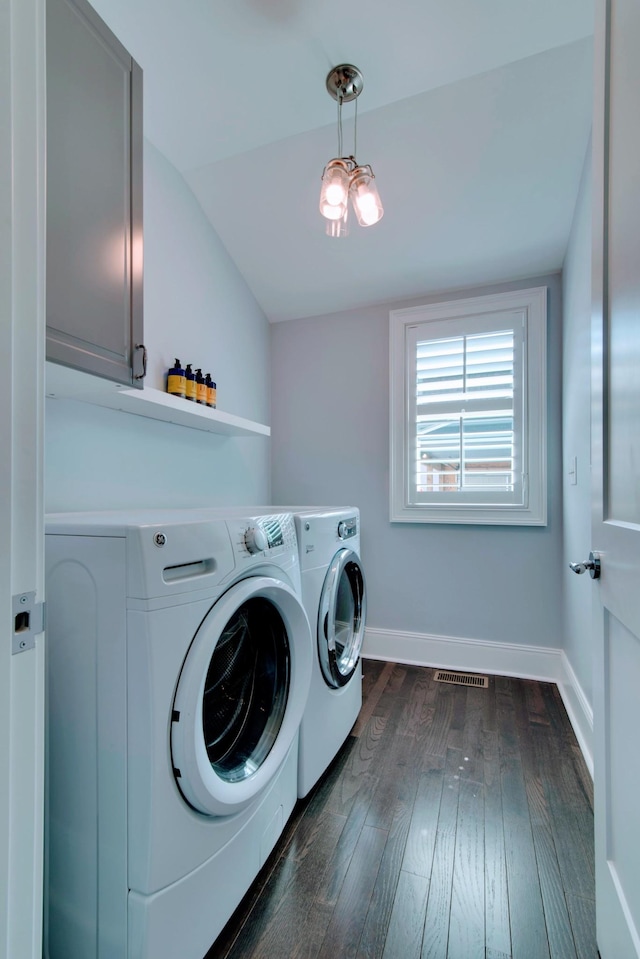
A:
(176, 380)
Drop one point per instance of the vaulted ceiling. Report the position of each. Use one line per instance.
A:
(475, 117)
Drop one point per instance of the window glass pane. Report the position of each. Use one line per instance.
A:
(466, 452)
(465, 448)
(488, 452)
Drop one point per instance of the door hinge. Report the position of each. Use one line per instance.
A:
(28, 621)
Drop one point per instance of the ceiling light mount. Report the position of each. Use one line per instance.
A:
(345, 82)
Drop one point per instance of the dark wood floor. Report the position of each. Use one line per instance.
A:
(456, 823)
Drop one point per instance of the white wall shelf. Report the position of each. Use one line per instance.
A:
(154, 404)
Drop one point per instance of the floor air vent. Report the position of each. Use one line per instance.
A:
(461, 679)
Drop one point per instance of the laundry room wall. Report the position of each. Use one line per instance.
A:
(330, 444)
(197, 307)
(576, 415)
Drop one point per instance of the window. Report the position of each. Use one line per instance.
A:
(468, 411)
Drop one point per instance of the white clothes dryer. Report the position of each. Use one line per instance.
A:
(179, 661)
(334, 596)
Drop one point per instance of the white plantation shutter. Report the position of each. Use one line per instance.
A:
(468, 410)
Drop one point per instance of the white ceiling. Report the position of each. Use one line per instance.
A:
(475, 117)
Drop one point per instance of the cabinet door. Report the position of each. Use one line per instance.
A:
(94, 196)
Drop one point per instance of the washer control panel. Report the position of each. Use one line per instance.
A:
(255, 539)
(266, 534)
(347, 528)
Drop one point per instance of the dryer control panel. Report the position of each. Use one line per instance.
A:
(347, 527)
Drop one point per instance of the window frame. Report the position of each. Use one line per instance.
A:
(468, 315)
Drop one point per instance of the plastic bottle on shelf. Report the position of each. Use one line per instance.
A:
(176, 381)
(201, 388)
(190, 383)
(211, 391)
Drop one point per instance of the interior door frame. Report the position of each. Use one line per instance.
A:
(22, 341)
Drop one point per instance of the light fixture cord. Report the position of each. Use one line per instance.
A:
(340, 125)
(355, 132)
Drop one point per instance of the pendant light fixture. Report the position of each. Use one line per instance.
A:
(343, 178)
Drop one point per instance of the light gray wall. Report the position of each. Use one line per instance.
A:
(198, 308)
(330, 444)
(577, 590)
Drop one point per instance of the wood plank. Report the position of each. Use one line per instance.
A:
(528, 930)
(371, 693)
(497, 928)
(433, 733)
(571, 819)
(458, 716)
(559, 933)
(536, 774)
(350, 912)
(329, 887)
(421, 839)
(583, 923)
(537, 712)
(466, 925)
(374, 932)
(406, 925)
(398, 776)
(472, 730)
(288, 907)
(417, 693)
(436, 929)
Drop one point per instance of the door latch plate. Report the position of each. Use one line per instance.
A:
(28, 621)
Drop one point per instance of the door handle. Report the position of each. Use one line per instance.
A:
(593, 564)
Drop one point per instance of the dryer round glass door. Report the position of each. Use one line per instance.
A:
(341, 618)
(240, 695)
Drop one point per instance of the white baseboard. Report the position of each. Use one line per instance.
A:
(500, 659)
(578, 709)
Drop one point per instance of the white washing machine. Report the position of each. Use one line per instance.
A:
(334, 596)
(179, 661)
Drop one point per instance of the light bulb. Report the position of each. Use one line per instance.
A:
(338, 228)
(334, 194)
(365, 197)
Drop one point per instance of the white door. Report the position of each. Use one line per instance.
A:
(241, 695)
(21, 482)
(341, 619)
(616, 476)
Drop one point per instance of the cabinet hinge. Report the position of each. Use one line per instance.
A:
(28, 621)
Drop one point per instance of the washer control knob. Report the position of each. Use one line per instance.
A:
(255, 539)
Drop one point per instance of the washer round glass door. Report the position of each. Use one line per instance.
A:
(241, 695)
(341, 618)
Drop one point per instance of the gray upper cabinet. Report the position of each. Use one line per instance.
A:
(94, 197)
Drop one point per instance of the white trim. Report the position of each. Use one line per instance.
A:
(22, 307)
(543, 663)
(531, 510)
(578, 709)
